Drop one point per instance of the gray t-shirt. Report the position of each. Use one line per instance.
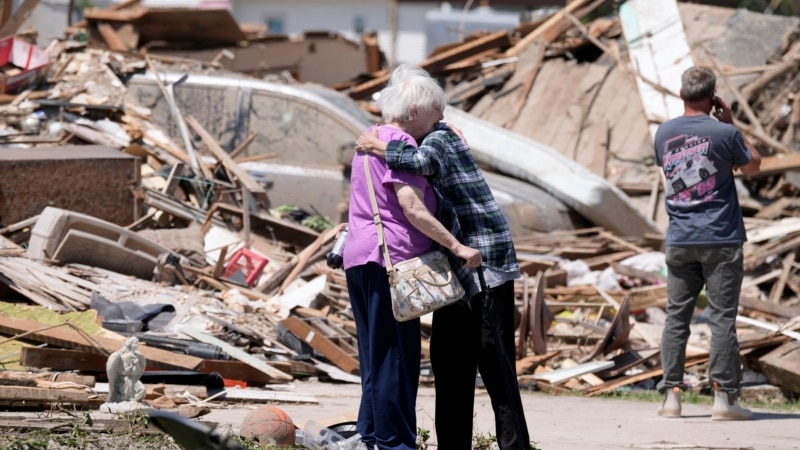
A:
(697, 154)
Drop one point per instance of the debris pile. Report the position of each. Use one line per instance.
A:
(157, 225)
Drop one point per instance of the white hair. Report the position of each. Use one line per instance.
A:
(409, 87)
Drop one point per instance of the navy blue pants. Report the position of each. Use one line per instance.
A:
(463, 342)
(389, 357)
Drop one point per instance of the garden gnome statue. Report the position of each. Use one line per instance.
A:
(124, 368)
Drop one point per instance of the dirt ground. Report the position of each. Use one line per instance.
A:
(554, 423)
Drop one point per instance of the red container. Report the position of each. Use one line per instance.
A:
(22, 64)
(245, 264)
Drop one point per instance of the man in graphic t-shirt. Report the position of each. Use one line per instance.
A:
(699, 156)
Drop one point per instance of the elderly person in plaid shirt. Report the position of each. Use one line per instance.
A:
(463, 341)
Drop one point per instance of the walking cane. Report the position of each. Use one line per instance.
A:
(508, 371)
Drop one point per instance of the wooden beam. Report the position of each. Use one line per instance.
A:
(63, 336)
(439, 61)
(778, 310)
(6, 14)
(28, 395)
(244, 177)
(236, 353)
(111, 38)
(243, 145)
(776, 294)
(42, 379)
(545, 30)
(320, 343)
(790, 62)
(62, 359)
(19, 17)
(237, 370)
(771, 165)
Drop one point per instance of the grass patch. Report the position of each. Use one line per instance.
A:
(769, 402)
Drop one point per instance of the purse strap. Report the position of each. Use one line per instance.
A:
(376, 217)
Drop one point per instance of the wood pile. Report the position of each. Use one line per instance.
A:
(589, 310)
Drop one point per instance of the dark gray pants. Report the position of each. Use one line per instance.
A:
(721, 270)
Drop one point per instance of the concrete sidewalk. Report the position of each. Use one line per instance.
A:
(564, 423)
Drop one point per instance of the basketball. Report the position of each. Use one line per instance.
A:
(269, 425)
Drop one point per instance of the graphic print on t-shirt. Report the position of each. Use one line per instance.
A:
(689, 170)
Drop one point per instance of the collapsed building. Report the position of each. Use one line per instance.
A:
(189, 196)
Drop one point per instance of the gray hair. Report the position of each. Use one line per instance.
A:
(697, 83)
(409, 87)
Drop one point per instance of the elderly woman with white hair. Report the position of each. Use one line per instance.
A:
(389, 351)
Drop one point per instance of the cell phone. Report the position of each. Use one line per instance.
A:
(717, 105)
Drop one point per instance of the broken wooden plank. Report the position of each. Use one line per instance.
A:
(439, 61)
(236, 353)
(237, 370)
(245, 179)
(529, 363)
(780, 163)
(63, 336)
(63, 359)
(32, 395)
(563, 375)
(43, 379)
(611, 385)
(545, 30)
(21, 14)
(768, 326)
(306, 255)
(236, 394)
(778, 310)
(776, 293)
(111, 38)
(776, 209)
(782, 366)
(333, 352)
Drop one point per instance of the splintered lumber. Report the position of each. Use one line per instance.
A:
(646, 296)
(439, 61)
(779, 310)
(236, 353)
(780, 163)
(244, 177)
(782, 366)
(305, 256)
(113, 41)
(231, 394)
(29, 379)
(563, 375)
(322, 344)
(28, 395)
(768, 326)
(63, 336)
(62, 359)
(237, 370)
(549, 30)
(790, 62)
(528, 363)
(609, 386)
(22, 13)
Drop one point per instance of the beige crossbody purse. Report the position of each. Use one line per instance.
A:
(418, 285)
